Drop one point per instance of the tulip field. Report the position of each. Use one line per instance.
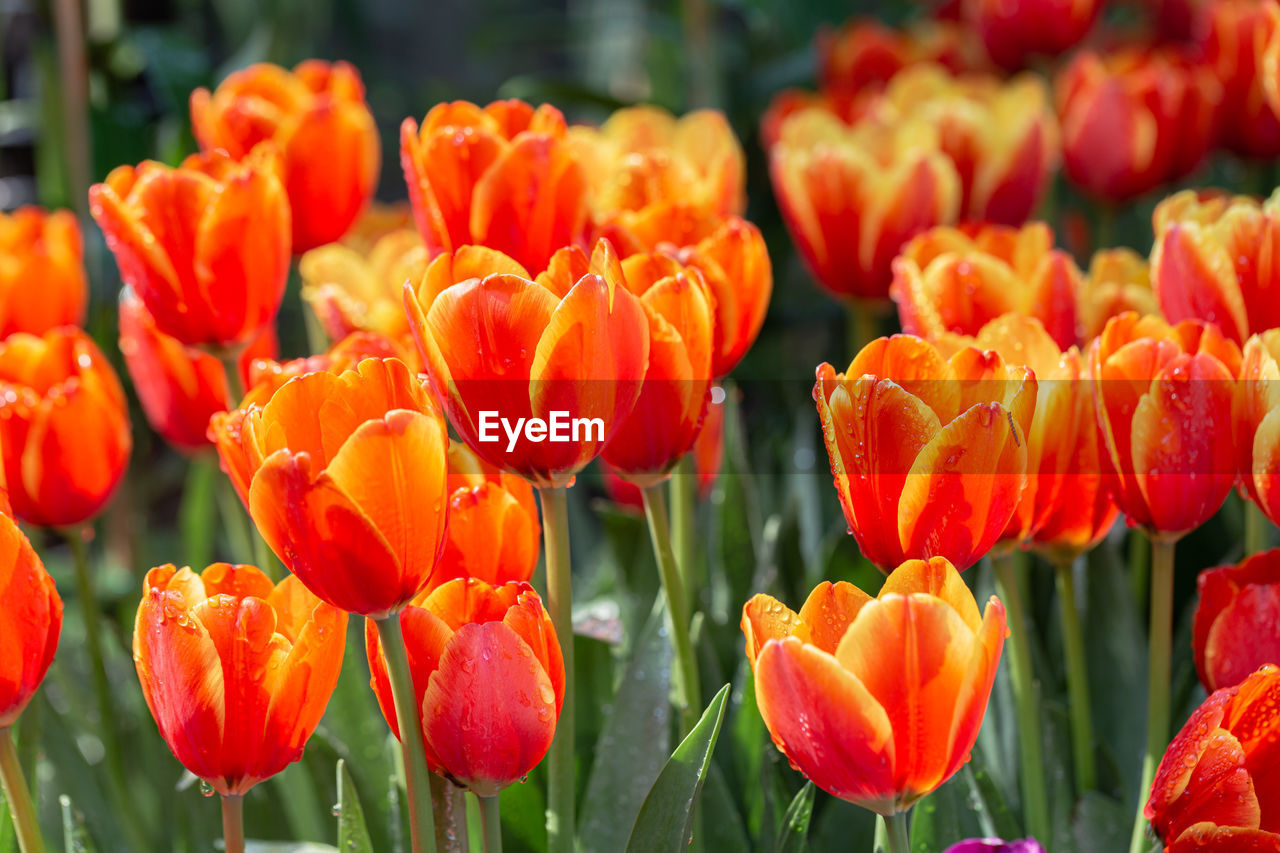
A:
(647, 426)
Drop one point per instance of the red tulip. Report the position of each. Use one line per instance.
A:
(1234, 38)
(1015, 32)
(30, 620)
(1234, 628)
(42, 281)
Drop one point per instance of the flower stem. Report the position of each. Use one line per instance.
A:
(896, 833)
(1035, 799)
(684, 507)
(233, 822)
(1077, 681)
(18, 796)
(1158, 644)
(560, 788)
(655, 511)
(492, 824)
(417, 786)
(450, 806)
(1255, 529)
(1139, 564)
(864, 325)
(230, 358)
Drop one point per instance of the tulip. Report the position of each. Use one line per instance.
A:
(959, 279)
(266, 376)
(1001, 135)
(728, 252)
(928, 454)
(42, 281)
(1212, 261)
(1257, 417)
(317, 118)
(64, 427)
(205, 246)
(864, 54)
(1233, 632)
(996, 845)
(487, 677)
(1234, 38)
(877, 700)
(507, 347)
(845, 106)
(673, 399)
(498, 176)
(1134, 119)
(1214, 789)
(236, 671)
(378, 220)
(1016, 32)
(850, 197)
(30, 622)
(708, 454)
(180, 389)
(1162, 393)
(345, 478)
(1118, 280)
(493, 533)
(351, 291)
(644, 155)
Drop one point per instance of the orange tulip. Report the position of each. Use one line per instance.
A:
(64, 427)
(1119, 280)
(499, 176)
(850, 197)
(345, 477)
(1163, 393)
(846, 106)
(1000, 134)
(1212, 261)
(1134, 119)
(493, 533)
(1257, 418)
(42, 281)
(317, 118)
(205, 246)
(1234, 39)
(1269, 58)
(959, 279)
(1016, 32)
(644, 155)
(237, 672)
(877, 700)
(668, 414)
(266, 375)
(929, 455)
(350, 291)
(1215, 788)
(488, 676)
(1233, 632)
(506, 352)
(30, 621)
(1065, 509)
(729, 253)
(180, 389)
(708, 454)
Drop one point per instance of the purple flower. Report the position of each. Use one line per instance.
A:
(995, 845)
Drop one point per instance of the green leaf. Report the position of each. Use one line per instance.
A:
(944, 817)
(74, 837)
(666, 818)
(353, 835)
(630, 752)
(795, 822)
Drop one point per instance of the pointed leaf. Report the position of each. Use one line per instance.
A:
(353, 835)
(795, 822)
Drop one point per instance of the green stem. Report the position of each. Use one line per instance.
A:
(560, 770)
(117, 784)
(1104, 236)
(412, 748)
(449, 805)
(880, 841)
(1035, 798)
(1158, 644)
(233, 823)
(1139, 564)
(896, 833)
(236, 522)
(196, 514)
(684, 508)
(688, 691)
(1255, 529)
(1077, 681)
(491, 822)
(230, 358)
(864, 325)
(18, 796)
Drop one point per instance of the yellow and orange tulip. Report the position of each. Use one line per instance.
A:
(929, 454)
(1234, 36)
(345, 476)
(236, 671)
(877, 700)
(318, 120)
(42, 280)
(352, 291)
(205, 246)
(1118, 280)
(1257, 419)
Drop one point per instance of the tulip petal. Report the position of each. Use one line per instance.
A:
(764, 618)
(828, 612)
(938, 578)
